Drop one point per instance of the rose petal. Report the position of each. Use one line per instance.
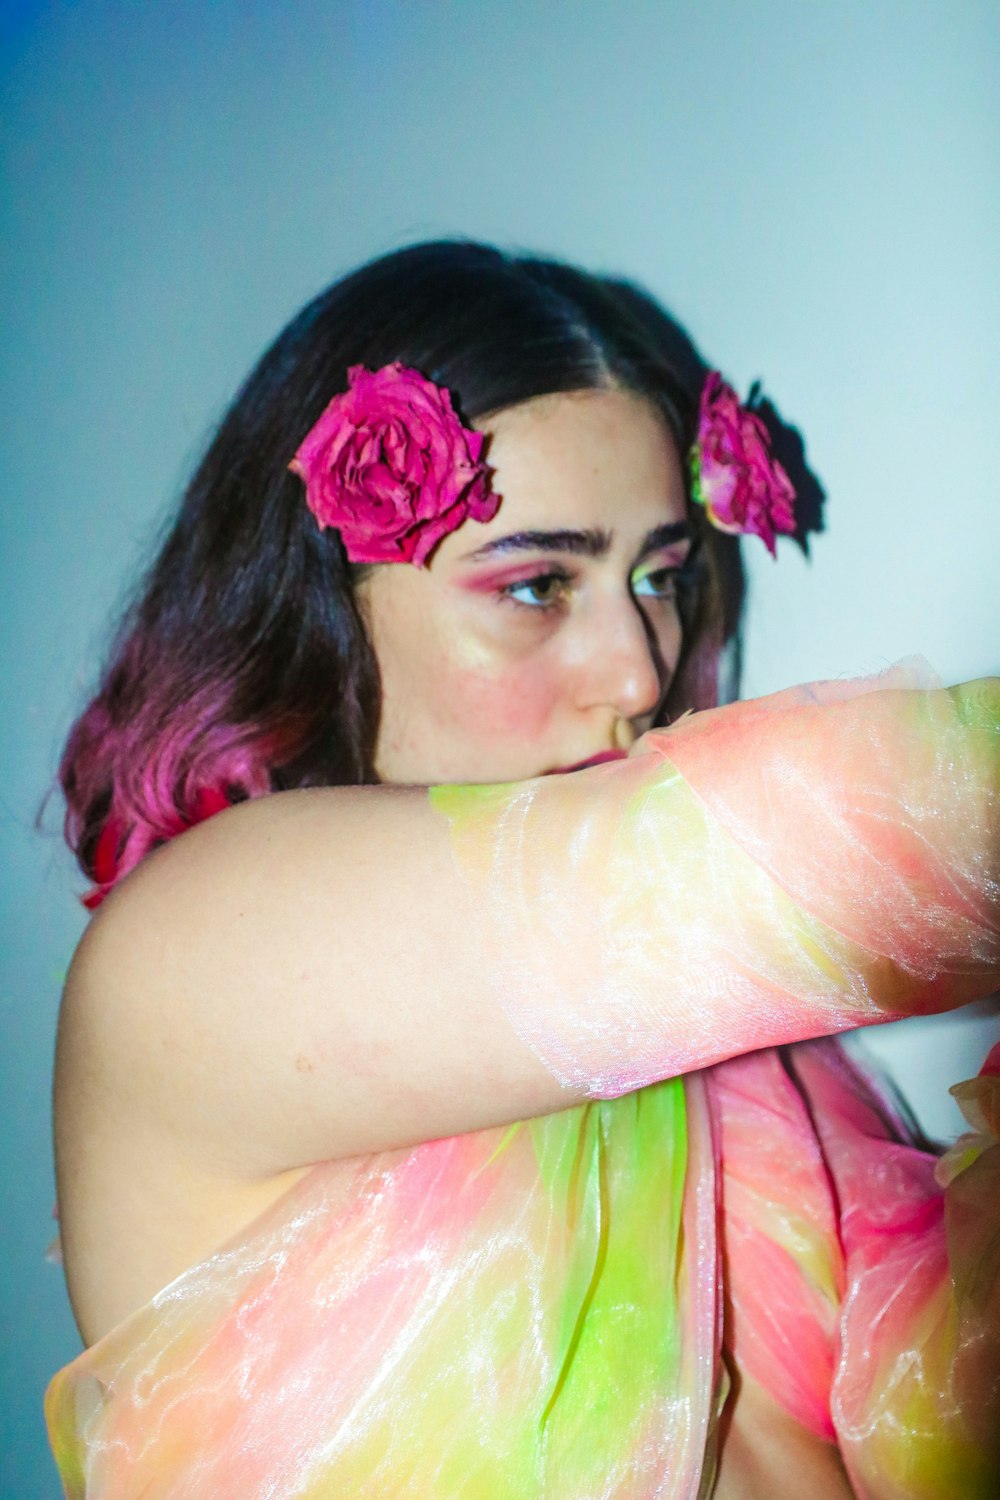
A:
(735, 476)
(390, 465)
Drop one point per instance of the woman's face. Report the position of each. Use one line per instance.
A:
(548, 636)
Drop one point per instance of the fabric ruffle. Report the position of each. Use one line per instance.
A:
(860, 1292)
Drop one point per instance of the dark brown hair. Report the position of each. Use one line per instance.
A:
(242, 666)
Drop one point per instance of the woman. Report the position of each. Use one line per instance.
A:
(312, 1248)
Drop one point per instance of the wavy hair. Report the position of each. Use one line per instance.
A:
(242, 666)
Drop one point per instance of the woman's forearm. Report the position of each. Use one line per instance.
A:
(774, 870)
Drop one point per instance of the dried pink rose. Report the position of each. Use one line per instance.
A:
(734, 475)
(390, 465)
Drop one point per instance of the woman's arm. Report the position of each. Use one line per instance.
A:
(324, 973)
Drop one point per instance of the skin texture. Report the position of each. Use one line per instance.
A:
(494, 666)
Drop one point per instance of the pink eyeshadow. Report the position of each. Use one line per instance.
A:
(503, 577)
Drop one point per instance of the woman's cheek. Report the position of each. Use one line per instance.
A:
(504, 703)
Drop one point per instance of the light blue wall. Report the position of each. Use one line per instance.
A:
(814, 188)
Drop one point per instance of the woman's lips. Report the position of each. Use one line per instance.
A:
(583, 765)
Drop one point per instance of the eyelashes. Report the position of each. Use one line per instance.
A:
(542, 591)
(550, 588)
(657, 583)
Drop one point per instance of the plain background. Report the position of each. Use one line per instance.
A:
(815, 190)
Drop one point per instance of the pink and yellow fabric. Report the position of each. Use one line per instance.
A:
(779, 869)
(548, 1309)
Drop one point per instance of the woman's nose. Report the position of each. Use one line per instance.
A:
(626, 669)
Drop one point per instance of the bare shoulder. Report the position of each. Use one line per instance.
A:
(186, 977)
(192, 968)
(298, 980)
(140, 1199)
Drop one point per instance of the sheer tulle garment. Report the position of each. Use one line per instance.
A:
(529, 1311)
(538, 1311)
(550, 1309)
(758, 874)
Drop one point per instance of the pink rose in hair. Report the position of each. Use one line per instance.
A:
(734, 475)
(390, 465)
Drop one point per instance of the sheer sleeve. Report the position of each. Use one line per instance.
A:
(759, 874)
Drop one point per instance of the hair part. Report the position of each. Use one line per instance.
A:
(243, 665)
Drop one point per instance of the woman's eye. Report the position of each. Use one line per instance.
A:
(661, 583)
(540, 592)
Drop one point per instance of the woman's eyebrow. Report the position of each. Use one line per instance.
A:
(595, 543)
(665, 536)
(589, 543)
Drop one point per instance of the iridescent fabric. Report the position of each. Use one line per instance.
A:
(865, 1298)
(537, 1311)
(779, 869)
(530, 1311)
(550, 1309)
